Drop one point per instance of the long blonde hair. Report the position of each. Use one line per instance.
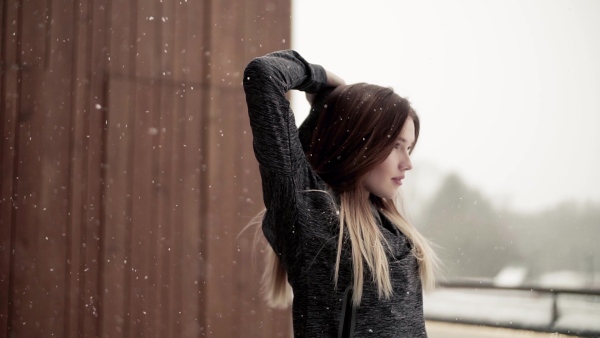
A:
(368, 246)
(355, 132)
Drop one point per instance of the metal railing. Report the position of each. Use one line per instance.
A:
(554, 314)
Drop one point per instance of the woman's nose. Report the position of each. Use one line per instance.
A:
(406, 163)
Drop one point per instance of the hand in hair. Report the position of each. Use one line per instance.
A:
(332, 81)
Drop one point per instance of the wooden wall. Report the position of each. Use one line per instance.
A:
(127, 168)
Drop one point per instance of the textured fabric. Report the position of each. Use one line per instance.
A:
(302, 224)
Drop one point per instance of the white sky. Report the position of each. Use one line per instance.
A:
(508, 91)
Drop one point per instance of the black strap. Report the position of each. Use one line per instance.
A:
(348, 316)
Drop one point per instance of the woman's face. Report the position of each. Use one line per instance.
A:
(386, 178)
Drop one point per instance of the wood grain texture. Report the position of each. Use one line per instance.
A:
(127, 168)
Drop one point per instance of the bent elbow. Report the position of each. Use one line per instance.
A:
(256, 72)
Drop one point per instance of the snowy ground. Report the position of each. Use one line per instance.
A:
(525, 309)
(448, 330)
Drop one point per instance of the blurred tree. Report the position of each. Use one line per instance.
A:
(472, 236)
(563, 238)
(476, 239)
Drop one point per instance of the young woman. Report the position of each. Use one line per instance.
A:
(331, 192)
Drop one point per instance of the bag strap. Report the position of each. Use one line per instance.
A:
(348, 315)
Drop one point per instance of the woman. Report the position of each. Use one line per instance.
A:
(331, 192)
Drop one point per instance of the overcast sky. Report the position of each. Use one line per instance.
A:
(508, 91)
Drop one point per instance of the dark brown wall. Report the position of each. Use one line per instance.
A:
(127, 168)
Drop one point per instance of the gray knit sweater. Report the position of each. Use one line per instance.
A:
(302, 224)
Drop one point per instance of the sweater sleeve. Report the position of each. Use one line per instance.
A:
(275, 136)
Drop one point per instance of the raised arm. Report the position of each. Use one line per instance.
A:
(266, 80)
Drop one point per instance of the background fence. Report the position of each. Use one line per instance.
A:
(127, 168)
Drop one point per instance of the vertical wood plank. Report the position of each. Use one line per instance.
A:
(172, 220)
(168, 161)
(40, 239)
(194, 130)
(77, 160)
(221, 152)
(116, 236)
(58, 147)
(165, 173)
(161, 277)
(86, 161)
(25, 262)
(148, 21)
(117, 230)
(9, 104)
(174, 294)
(157, 322)
(96, 106)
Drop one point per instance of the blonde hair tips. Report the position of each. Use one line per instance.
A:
(368, 249)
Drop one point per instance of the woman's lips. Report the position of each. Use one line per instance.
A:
(397, 180)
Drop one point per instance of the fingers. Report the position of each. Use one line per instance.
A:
(334, 80)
